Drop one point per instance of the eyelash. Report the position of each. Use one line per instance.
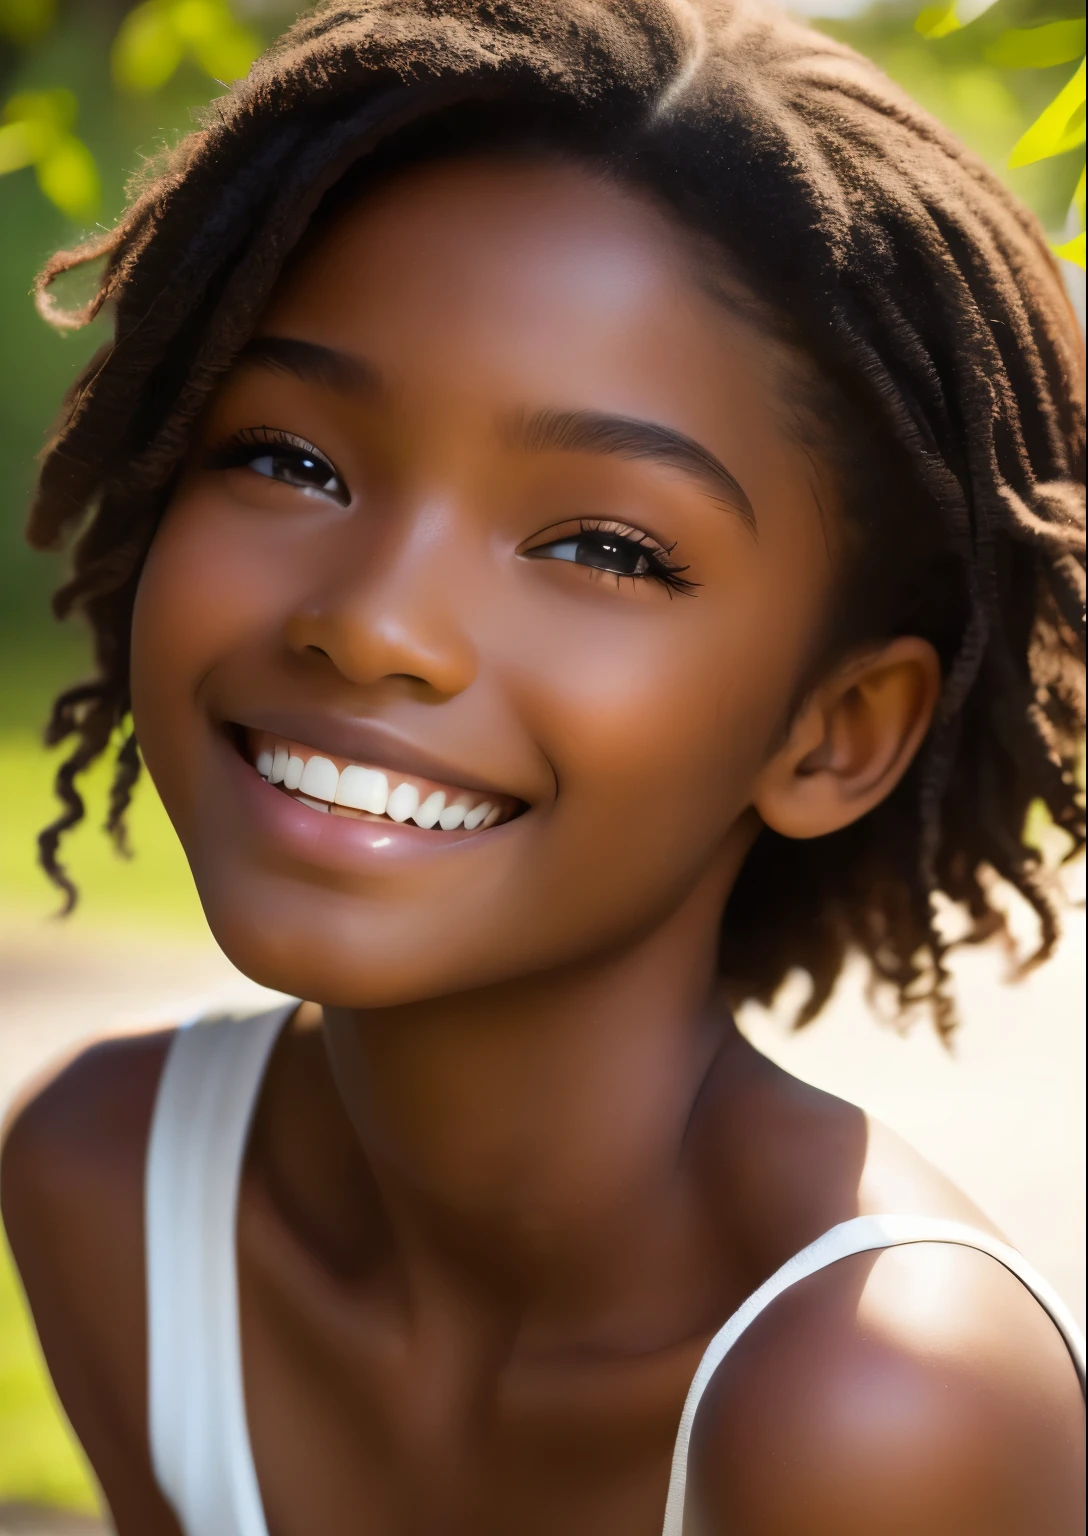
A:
(240, 452)
(665, 571)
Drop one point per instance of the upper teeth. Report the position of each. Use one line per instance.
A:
(319, 783)
(404, 802)
(319, 778)
(364, 789)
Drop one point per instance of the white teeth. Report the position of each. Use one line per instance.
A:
(430, 810)
(363, 789)
(319, 785)
(403, 802)
(320, 778)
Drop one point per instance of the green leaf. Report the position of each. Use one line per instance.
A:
(228, 55)
(198, 21)
(1038, 47)
(940, 20)
(57, 108)
(1059, 127)
(34, 123)
(24, 143)
(937, 21)
(223, 49)
(1072, 250)
(147, 49)
(24, 21)
(1079, 196)
(155, 38)
(69, 178)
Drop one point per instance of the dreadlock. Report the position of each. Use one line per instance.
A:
(923, 295)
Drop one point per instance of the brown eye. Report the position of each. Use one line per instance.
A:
(603, 551)
(281, 456)
(299, 467)
(619, 553)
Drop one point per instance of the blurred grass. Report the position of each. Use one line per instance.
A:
(152, 890)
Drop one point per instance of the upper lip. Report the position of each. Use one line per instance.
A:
(365, 741)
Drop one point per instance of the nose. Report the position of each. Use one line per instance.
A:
(395, 611)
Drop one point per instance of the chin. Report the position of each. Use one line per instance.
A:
(340, 954)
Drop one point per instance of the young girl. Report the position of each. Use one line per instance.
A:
(584, 505)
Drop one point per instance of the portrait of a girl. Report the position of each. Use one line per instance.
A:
(581, 516)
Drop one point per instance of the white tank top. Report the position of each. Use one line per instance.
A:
(197, 1416)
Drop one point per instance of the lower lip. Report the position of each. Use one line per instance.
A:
(338, 843)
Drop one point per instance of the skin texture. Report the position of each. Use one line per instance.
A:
(512, 1163)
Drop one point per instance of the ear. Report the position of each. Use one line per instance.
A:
(852, 740)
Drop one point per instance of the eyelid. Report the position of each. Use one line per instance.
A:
(571, 527)
(242, 446)
(269, 437)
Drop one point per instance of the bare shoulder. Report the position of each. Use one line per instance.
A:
(71, 1191)
(918, 1390)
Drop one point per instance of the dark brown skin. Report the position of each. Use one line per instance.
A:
(510, 1176)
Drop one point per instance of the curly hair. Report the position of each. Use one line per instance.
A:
(923, 296)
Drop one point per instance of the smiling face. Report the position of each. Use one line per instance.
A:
(500, 509)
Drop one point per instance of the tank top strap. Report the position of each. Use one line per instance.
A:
(861, 1235)
(198, 1433)
(199, 1439)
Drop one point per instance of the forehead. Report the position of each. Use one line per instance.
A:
(539, 277)
(478, 291)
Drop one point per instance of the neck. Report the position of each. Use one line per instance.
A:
(530, 1138)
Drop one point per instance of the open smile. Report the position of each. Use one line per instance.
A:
(338, 786)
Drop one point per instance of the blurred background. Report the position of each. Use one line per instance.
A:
(88, 89)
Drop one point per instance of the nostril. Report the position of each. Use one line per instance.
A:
(318, 651)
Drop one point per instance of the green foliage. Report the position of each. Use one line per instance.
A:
(24, 21)
(37, 130)
(1073, 250)
(1059, 127)
(152, 43)
(158, 35)
(940, 20)
(1060, 42)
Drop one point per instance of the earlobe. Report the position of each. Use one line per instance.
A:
(852, 740)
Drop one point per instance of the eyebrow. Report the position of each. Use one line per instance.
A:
(593, 432)
(629, 438)
(314, 364)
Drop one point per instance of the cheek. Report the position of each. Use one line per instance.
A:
(654, 715)
(207, 589)
(207, 577)
(657, 724)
